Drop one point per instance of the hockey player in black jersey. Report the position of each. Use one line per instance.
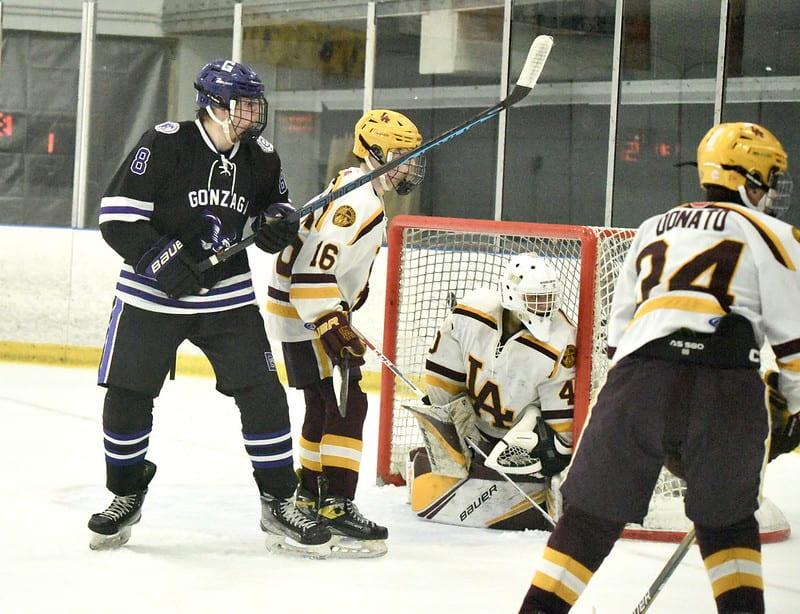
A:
(186, 191)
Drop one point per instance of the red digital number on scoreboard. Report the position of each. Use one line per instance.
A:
(6, 124)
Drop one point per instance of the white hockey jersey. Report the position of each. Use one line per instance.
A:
(525, 374)
(691, 265)
(328, 266)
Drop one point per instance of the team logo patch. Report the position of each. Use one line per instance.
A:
(265, 145)
(270, 361)
(282, 184)
(344, 216)
(168, 127)
(796, 234)
(570, 356)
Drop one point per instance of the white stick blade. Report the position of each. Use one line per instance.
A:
(534, 63)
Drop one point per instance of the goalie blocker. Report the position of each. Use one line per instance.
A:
(448, 485)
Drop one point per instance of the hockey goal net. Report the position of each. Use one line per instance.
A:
(434, 261)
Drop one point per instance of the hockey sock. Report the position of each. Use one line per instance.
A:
(127, 423)
(340, 446)
(732, 556)
(578, 545)
(267, 440)
(313, 427)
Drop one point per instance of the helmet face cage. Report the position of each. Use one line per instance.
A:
(236, 88)
(408, 175)
(530, 287)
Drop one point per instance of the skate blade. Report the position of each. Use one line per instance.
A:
(281, 544)
(350, 548)
(99, 541)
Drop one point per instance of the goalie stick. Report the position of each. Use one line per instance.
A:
(534, 63)
(421, 394)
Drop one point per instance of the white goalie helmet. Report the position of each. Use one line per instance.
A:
(531, 289)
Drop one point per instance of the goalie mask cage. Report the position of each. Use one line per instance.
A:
(434, 261)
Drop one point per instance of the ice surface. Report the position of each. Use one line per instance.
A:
(199, 549)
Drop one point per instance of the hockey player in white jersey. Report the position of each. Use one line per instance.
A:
(701, 288)
(315, 286)
(501, 373)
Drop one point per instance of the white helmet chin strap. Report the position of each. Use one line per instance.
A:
(764, 204)
(385, 183)
(224, 124)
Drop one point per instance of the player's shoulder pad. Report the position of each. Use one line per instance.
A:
(482, 299)
(167, 127)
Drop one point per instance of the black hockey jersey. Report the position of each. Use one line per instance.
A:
(175, 183)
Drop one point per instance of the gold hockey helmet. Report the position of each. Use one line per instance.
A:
(735, 155)
(382, 134)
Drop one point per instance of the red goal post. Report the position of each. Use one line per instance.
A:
(433, 261)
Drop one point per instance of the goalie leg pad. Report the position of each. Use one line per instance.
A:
(445, 449)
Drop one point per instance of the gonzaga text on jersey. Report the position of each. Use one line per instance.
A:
(219, 198)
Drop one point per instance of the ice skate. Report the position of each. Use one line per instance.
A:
(354, 535)
(306, 501)
(111, 528)
(290, 530)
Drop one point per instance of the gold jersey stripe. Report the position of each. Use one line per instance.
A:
(323, 362)
(789, 365)
(432, 380)
(683, 303)
(285, 311)
(770, 238)
(312, 293)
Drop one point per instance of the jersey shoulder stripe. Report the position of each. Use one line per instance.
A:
(435, 367)
(475, 314)
(539, 346)
(771, 239)
(367, 226)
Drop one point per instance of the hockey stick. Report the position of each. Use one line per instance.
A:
(661, 580)
(420, 394)
(537, 56)
(344, 388)
(389, 364)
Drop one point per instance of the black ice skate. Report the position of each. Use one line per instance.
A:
(355, 535)
(306, 502)
(111, 528)
(289, 530)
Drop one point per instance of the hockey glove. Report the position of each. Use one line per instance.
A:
(337, 338)
(277, 227)
(171, 267)
(551, 450)
(785, 435)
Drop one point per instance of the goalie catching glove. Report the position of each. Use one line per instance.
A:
(530, 447)
(337, 338)
(785, 434)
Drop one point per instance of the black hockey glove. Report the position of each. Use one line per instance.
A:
(785, 435)
(168, 263)
(337, 338)
(552, 452)
(277, 227)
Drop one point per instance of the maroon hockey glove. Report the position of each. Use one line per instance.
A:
(337, 338)
(785, 435)
(277, 228)
(171, 267)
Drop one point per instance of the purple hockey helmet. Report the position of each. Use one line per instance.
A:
(225, 83)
